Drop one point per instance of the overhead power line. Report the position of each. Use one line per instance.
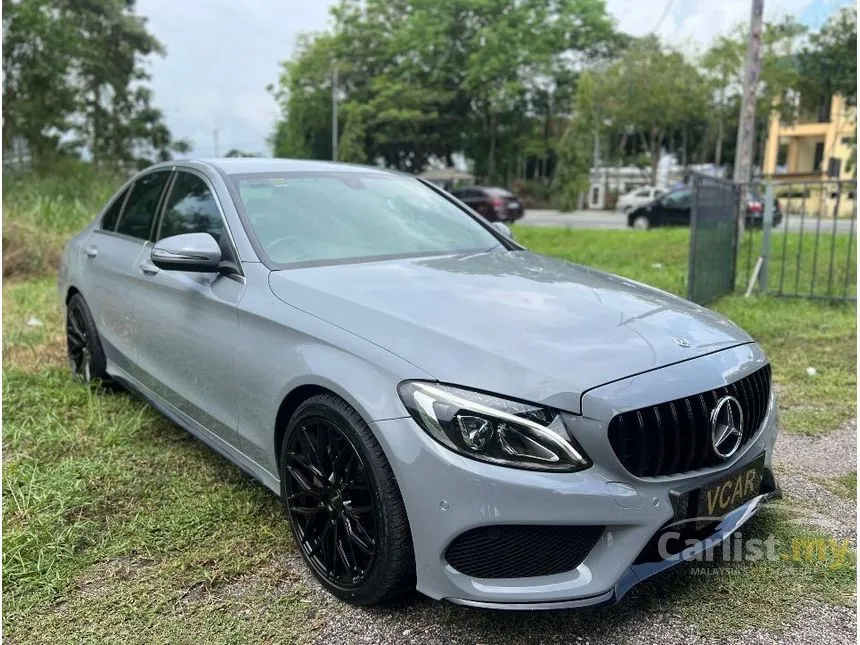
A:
(663, 17)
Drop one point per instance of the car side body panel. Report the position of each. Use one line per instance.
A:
(281, 348)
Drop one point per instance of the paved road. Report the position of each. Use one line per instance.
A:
(615, 220)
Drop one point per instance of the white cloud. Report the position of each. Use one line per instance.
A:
(221, 54)
(693, 24)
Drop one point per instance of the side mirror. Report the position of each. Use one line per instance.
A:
(198, 252)
(504, 229)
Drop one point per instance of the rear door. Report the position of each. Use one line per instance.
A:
(187, 322)
(110, 255)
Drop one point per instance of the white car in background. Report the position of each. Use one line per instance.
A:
(639, 197)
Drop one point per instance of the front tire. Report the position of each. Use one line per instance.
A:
(344, 505)
(86, 357)
(641, 223)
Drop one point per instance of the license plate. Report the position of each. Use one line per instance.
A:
(724, 495)
(513, 204)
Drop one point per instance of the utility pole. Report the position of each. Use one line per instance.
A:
(334, 113)
(746, 123)
(215, 140)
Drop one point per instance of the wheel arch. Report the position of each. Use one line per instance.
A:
(288, 407)
(299, 392)
(71, 292)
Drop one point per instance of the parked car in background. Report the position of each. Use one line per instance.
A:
(638, 197)
(496, 204)
(675, 209)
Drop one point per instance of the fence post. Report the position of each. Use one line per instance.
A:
(766, 226)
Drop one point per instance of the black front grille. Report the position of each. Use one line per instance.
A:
(675, 437)
(521, 551)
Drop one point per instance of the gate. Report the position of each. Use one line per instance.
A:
(713, 238)
(810, 251)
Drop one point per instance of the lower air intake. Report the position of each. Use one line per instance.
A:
(521, 551)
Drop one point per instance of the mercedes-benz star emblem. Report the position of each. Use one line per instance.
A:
(727, 423)
(681, 342)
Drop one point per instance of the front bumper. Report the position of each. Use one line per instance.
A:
(446, 495)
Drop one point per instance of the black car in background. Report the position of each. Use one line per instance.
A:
(674, 209)
(495, 204)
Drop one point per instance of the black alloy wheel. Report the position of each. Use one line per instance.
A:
(344, 505)
(330, 502)
(86, 358)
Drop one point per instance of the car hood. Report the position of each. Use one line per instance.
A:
(510, 322)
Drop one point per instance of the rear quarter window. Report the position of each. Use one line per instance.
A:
(109, 219)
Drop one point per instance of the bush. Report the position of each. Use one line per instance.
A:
(533, 193)
(41, 211)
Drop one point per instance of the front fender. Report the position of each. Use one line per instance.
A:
(280, 348)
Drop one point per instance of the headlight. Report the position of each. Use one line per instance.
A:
(493, 429)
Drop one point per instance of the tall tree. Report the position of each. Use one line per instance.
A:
(425, 79)
(74, 80)
(650, 91)
(723, 67)
(828, 62)
(575, 149)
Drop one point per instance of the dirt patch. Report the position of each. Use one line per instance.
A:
(827, 455)
(98, 581)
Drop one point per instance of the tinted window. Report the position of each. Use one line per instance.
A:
(140, 209)
(643, 193)
(191, 208)
(317, 217)
(678, 198)
(112, 214)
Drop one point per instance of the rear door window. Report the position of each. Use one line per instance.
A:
(112, 214)
(142, 205)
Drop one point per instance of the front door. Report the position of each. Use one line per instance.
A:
(187, 322)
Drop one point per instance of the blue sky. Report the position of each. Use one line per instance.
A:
(221, 54)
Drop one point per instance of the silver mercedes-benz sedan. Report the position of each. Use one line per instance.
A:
(436, 406)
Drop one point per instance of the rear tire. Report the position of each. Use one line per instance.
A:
(87, 360)
(344, 505)
(641, 223)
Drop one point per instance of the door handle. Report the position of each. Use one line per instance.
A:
(91, 251)
(148, 269)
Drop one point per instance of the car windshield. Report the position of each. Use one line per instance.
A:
(327, 217)
(499, 192)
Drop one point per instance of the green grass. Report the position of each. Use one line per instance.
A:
(113, 514)
(814, 263)
(119, 526)
(40, 213)
(844, 486)
(61, 203)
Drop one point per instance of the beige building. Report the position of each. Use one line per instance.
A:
(815, 147)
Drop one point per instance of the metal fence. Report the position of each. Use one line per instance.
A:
(804, 244)
(800, 239)
(713, 238)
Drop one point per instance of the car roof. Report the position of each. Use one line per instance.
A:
(249, 165)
